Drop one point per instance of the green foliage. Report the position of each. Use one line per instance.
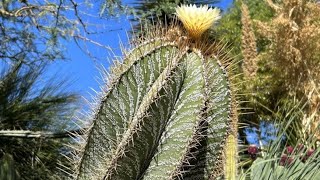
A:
(271, 170)
(166, 114)
(32, 31)
(301, 161)
(229, 28)
(25, 104)
(288, 155)
(112, 8)
(7, 168)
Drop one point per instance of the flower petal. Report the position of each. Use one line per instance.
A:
(197, 20)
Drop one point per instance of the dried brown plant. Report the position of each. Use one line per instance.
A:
(248, 44)
(294, 55)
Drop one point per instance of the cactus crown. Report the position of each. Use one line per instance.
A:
(166, 114)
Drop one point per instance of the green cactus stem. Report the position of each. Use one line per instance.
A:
(166, 113)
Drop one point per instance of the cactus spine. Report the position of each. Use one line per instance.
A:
(166, 114)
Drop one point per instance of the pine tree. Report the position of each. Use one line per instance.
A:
(34, 112)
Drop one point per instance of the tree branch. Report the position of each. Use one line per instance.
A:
(19, 12)
(93, 42)
(41, 134)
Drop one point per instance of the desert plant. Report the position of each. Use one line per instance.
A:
(168, 111)
(284, 160)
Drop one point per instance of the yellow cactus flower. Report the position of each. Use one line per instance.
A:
(197, 20)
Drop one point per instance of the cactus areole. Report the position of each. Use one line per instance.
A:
(166, 113)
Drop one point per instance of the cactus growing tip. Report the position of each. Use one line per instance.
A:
(197, 20)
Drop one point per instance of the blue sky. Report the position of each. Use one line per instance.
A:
(81, 69)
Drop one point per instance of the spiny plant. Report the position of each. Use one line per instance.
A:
(168, 111)
(283, 159)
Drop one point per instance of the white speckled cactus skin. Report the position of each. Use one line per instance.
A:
(167, 114)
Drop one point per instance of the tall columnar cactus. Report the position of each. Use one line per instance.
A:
(167, 112)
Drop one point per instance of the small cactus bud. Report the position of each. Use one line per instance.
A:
(252, 149)
(289, 149)
(307, 155)
(285, 160)
(310, 152)
(253, 156)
